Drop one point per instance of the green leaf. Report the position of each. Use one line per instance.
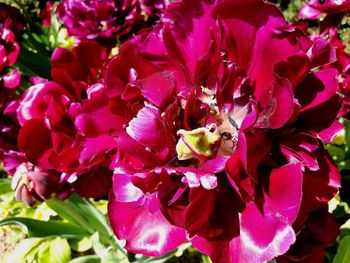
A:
(26, 251)
(347, 134)
(159, 259)
(43, 212)
(93, 216)
(54, 251)
(37, 228)
(344, 165)
(81, 245)
(32, 62)
(101, 205)
(339, 138)
(5, 186)
(86, 259)
(345, 229)
(70, 213)
(108, 254)
(41, 250)
(112, 256)
(60, 250)
(341, 210)
(337, 153)
(99, 248)
(343, 253)
(206, 259)
(81, 212)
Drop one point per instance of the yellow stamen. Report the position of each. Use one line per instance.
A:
(198, 142)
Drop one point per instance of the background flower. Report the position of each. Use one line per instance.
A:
(314, 8)
(48, 137)
(94, 19)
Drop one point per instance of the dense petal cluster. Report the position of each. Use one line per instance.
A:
(207, 128)
(93, 19)
(11, 28)
(228, 103)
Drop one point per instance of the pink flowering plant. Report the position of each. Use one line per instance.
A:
(176, 131)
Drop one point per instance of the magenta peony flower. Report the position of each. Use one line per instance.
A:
(98, 18)
(49, 136)
(315, 8)
(223, 150)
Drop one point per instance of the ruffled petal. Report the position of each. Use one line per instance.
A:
(274, 234)
(145, 232)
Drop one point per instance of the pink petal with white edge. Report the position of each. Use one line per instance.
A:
(145, 232)
(148, 128)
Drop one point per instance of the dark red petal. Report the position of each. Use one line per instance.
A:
(34, 139)
(94, 183)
